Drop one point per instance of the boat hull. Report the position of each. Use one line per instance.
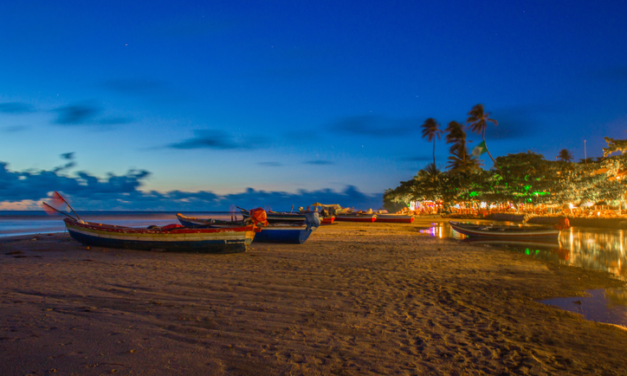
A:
(477, 232)
(328, 220)
(272, 233)
(178, 240)
(395, 218)
(356, 218)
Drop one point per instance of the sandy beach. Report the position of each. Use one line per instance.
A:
(355, 299)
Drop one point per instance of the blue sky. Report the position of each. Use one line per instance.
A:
(289, 96)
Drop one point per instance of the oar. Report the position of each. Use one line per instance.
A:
(246, 210)
(59, 211)
(292, 208)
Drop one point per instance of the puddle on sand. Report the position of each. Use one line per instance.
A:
(604, 305)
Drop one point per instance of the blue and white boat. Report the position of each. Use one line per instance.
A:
(292, 233)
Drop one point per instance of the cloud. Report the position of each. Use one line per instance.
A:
(376, 126)
(517, 122)
(122, 192)
(269, 164)
(80, 114)
(75, 114)
(16, 108)
(14, 128)
(214, 139)
(319, 162)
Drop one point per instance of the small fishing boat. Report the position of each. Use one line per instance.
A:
(281, 217)
(356, 217)
(172, 238)
(328, 220)
(505, 232)
(293, 233)
(285, 217)
(395, 218)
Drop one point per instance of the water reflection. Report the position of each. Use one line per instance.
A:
(603, 305)
(588, 248)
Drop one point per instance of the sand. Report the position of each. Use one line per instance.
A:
(355, 299)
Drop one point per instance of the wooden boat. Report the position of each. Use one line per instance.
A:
(356, 217)
(328, 220)
(280, 217)
(508, 232)
(293, 233)
(284, 217)
(395, 218)
(171, 238)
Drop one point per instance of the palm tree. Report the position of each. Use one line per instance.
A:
(565, 156)
(478, 122)
(461, 161)
(431, 130)
(456, 136)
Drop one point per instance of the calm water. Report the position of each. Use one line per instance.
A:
(28, 222)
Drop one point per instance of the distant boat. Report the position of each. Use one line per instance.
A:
(173, 238)
(328, 220)
(356, 217)
(293, 233)
(285, 217)
(508, 232)
(395, 218)
(279, 216)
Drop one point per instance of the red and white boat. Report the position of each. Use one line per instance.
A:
(356, 217)
(395, 218)
(504, 232)
(328, 220)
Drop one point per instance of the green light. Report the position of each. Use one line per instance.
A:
(527, 251)
(473, 194)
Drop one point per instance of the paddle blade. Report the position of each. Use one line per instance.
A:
(49, 210)
(56, 199)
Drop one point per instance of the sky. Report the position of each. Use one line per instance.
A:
(292, 100)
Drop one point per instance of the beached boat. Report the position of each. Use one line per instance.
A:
(508, 232)
(284, 217)
(356, 217)
(172, 238)
(395, 218)
(328, 220)
(281, 217)
(293, 233)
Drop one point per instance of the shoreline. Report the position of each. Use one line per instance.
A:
(352, 300)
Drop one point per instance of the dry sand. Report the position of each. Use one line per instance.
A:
(355, 299)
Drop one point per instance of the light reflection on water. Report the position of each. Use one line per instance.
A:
(603, 305)
(587, 248)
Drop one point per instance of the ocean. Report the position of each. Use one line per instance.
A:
(14, 223)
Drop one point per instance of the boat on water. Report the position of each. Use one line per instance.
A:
(356, 217)
(171, 238)
(504, 232)
(395, 218)
(292, 233)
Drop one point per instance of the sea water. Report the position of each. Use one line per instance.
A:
(14, 223)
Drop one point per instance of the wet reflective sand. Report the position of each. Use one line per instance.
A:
(586, 248)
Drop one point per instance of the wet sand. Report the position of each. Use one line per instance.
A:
(355, 299)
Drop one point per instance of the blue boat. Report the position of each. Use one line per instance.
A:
(292, 233)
